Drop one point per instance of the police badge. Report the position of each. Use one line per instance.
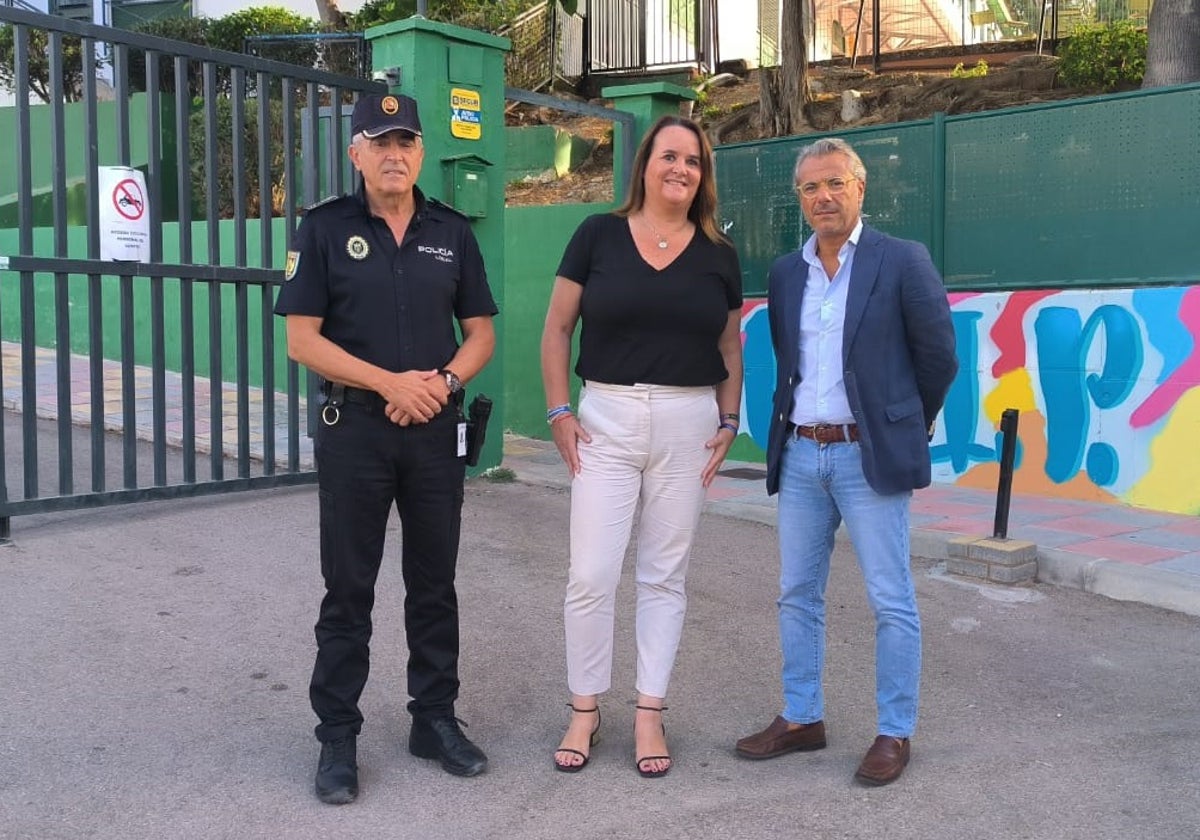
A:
(292, 265)
(357, 247)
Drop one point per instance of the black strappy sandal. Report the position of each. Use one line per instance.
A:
(592, 741)
(638, 762)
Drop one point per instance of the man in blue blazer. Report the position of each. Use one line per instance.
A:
(864, 349)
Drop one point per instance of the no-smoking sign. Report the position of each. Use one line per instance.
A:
(124, 222)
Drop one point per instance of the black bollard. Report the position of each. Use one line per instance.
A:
(1008, 454)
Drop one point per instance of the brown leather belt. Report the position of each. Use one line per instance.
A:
(825, 433)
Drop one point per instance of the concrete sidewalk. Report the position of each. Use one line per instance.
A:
(1121, 552)
(79, 394)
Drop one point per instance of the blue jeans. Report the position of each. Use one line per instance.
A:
(820, 485)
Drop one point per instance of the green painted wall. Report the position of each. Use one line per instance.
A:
(44, 285)
(530, 150)
(529, 273)
(533, 150)
(41, 154)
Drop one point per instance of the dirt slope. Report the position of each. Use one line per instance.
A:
(728, 112)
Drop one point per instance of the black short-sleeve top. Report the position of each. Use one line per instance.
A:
(391, 305)
(641, 325)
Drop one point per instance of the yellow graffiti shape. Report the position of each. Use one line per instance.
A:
(1013, 390)
(1170, 482)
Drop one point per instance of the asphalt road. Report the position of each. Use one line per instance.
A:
(155, 665)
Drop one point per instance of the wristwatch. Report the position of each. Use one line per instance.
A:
(453, 383)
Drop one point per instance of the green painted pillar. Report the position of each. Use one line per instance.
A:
(457, 77)
(647, 102)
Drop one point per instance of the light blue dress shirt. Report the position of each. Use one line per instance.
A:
(821, 394)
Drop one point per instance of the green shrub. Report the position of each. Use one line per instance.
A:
(191, 30)
(1106, 57)
(231, 32)
(487, 15)
(980, 69)
(272, 197)
(225, 33)
(498, 475)
(38, 58)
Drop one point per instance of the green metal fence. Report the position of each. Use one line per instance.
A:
(1102, 191)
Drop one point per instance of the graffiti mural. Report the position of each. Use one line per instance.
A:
(1107, 383)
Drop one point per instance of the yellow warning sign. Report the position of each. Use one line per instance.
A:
(465, 111)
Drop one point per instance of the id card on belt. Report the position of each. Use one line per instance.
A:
(462, 439)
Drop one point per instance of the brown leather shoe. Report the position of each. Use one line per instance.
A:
(782, 737)
(884, 762)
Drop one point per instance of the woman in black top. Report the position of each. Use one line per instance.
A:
(657, 291)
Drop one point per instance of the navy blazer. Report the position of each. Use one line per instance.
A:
(897, 354)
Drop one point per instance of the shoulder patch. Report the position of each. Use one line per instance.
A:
(292, 265)
(327, 200)
(441, 205)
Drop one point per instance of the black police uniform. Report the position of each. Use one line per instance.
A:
(393, 306)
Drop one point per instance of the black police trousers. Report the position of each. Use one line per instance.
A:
(365, 464)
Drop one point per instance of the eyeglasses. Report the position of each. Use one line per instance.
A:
(836, 186)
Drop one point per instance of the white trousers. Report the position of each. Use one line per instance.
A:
(648, 447)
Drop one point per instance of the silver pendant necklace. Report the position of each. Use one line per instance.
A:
(662, 240)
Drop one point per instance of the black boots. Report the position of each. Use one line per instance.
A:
(443, 739)
(337, 771)
(439, 738)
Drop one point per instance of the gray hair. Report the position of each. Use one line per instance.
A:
(831, 146)
(357, 138)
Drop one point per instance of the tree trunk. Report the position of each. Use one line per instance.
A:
(330, 14)
(784, 91)
(1173, 52)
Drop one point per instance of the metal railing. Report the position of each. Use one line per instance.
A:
(629, 138)
(610, 37)
(172, 349)
(639, 35)
(530, 63)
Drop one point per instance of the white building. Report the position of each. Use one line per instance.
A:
(123, 12)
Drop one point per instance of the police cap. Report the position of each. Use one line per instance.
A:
(376, 114)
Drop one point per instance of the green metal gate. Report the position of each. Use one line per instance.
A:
(175, 349)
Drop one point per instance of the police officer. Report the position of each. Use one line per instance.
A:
(373, 286)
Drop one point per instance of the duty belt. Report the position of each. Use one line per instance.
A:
(337, 395)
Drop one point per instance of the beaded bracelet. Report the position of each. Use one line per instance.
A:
(557, 412)
(728, 426)
(731, 415)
